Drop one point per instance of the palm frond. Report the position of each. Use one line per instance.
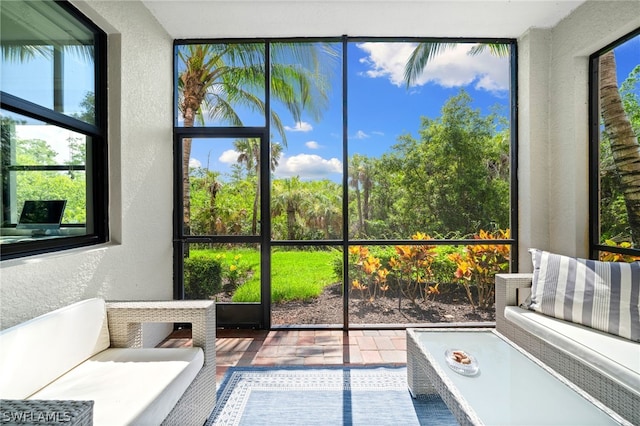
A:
(500, 50)
(24, 53)
(420, 57)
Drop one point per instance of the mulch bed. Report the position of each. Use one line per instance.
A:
(450, 306)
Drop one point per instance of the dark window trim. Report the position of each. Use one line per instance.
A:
(181, 132)
(98, 188)
(594, 153)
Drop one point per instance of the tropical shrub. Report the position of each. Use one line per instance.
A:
(443, 267)
(202, 276)
(366, 273)
(412, 269)
(478, 264)
(403, 269)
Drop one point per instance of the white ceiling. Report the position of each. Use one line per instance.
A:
(315, 18)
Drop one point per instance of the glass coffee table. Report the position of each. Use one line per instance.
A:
(499, 384)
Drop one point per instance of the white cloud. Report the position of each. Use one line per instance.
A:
(308, 166)
(360, 134)
(194, 163)
(229, 156)
(451, 68)
(386, 60)
(312, 145)
(301, 126)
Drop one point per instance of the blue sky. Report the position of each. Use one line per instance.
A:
(381, 107)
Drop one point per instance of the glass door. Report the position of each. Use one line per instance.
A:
(219, 228)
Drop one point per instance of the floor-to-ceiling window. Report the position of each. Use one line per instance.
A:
(345, 182)
(614, 151)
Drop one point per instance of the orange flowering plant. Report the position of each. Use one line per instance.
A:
(618, 257)
(410, 268)
(478, 264)
(369, 277)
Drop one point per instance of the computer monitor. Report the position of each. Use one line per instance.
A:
(41, 214)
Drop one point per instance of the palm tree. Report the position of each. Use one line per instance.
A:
(623, 140)
(355, 174)
(292, 198)
(360, 175)
(324, 213)
(249, 155)
(216, 79)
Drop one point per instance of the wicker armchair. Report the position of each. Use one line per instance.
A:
(125, 328)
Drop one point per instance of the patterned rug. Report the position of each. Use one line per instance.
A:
(324, 396)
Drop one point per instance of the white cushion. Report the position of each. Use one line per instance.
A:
(129, 386)
(611, 355)
(38, 351)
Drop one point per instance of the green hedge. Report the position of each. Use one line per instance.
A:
(202, 276)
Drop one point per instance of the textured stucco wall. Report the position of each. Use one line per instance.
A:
(533, 151)
(137, 263)
(590, 28)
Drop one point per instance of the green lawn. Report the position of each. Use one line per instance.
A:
(295, 275)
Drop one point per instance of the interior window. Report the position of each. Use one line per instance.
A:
(53, 139)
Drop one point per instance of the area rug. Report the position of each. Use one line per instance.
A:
(324, 396)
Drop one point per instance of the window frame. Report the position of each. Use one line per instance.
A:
(97, 155)
(182, 241)
(595, 246)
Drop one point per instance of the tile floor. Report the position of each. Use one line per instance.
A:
(302, 347)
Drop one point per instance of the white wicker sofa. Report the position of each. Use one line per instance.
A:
(92, 350)
(604, 365)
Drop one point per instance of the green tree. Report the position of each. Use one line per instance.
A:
(623, 140)
(360, 170)
(454, 175)
(87, 108)
(40, 185)
(34, 152)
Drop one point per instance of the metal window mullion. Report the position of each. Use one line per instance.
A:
(265, 197)
(58, 79)
(345, 188)
(513, 146)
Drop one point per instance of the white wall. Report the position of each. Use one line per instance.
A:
(553, 118)
(137, 263)
(533, 152)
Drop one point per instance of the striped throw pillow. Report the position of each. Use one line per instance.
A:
(601, 295)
